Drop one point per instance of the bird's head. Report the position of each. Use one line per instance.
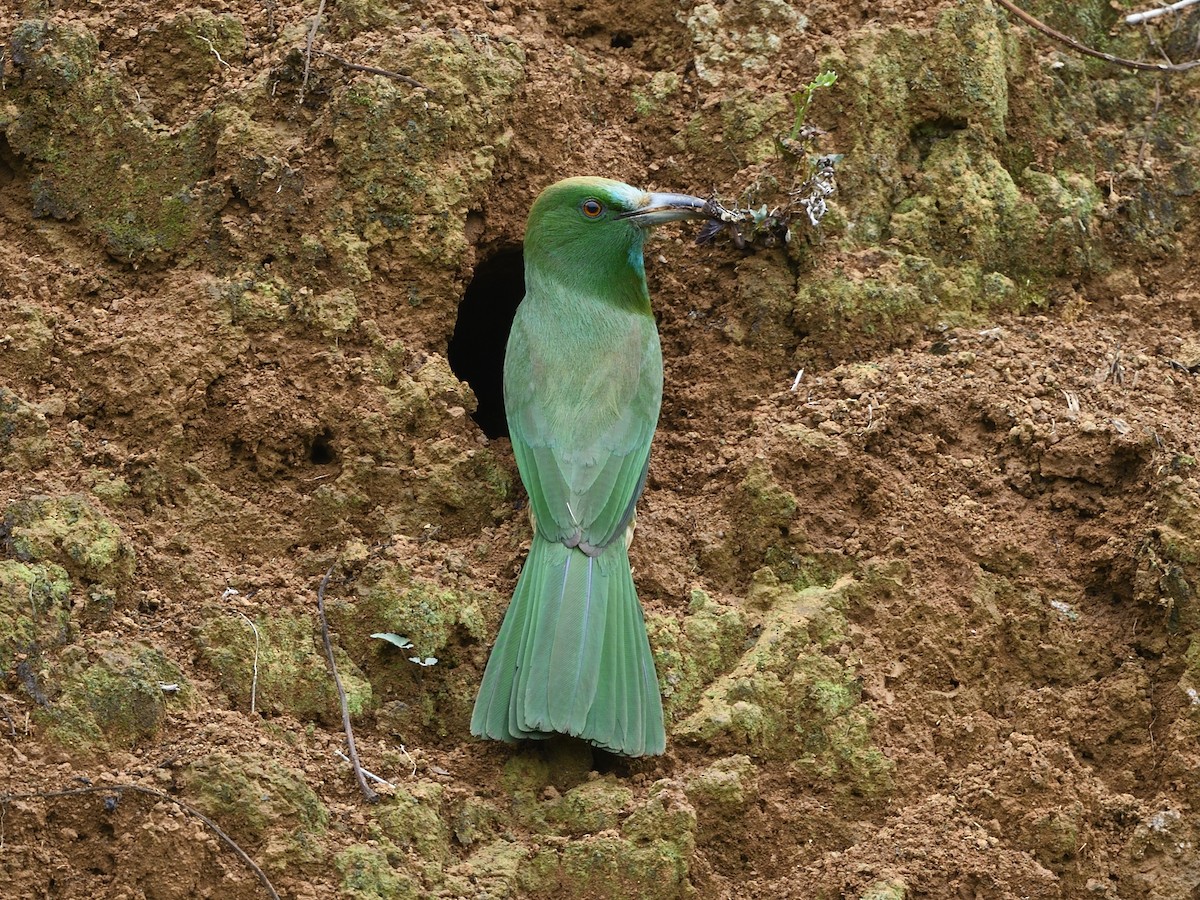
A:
(587, 234)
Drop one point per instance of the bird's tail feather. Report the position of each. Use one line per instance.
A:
(572, 656)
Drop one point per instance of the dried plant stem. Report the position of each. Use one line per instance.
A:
(367, 772)
(254, 679)
(308, 49)
(5, 799)
(1135, 18)
(213, 48)
(372, 70)
(1088, 51)
(368, 792)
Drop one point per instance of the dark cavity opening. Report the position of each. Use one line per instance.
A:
(321, 453)
(622, 39)
(925, 134)
(476, 350)
(11, 167)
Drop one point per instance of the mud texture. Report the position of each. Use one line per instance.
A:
(920, 545)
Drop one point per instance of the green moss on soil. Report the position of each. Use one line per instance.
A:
(744, 37)
(411, 165)
(143, 193)
(263, 804)
(899, 297)
(28, 341)
(293, 675)
(368, 875)
(70, 531)
(110, 695)
(910, 88)
(257, 305)
(966, 206)
(974, 225)
(110, 489)
(605, 867)
(788, 699)
(724, 788)
(35, 610)
(392, 599)
(648, 856)
(591, 807)
(661, 86)
(689, 654)
(886, 889)
(460, 489)
(761, 512)
(766, 291)
(413, 820)
(1168, 571)
(495, 867)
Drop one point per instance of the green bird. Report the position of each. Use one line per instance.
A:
(583, 380)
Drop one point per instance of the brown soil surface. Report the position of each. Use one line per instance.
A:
(1003, 490)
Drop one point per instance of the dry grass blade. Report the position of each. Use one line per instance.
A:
(369, 793)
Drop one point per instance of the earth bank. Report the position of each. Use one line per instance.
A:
(921, 539)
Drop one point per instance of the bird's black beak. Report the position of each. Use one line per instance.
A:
(660, 208)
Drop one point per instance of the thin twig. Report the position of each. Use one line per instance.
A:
(1088, 51)
(375, 778)
(308, 50)
(412, 762)
(372, 70)
(12, 726)
(369, 793)
(213, 48)
(254, 680)
(1135, 18)
(5, 799)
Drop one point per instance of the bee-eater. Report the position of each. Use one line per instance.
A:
(583, 380)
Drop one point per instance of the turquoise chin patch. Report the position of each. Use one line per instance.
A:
(637, 260)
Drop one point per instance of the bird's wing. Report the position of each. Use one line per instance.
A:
(581, 419)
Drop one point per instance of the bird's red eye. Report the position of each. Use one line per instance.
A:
(592, 208)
